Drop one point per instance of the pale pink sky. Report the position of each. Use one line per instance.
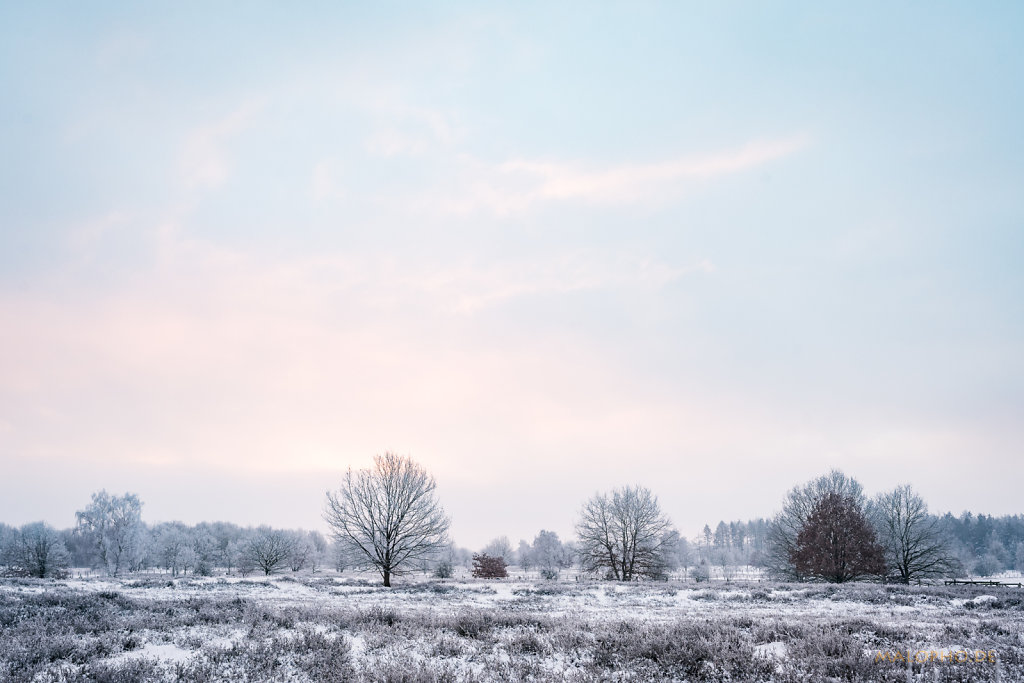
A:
(744, 247)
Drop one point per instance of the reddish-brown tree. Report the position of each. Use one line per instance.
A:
(837, 543)
(487, 567)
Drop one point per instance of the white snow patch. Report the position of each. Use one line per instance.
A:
(776, 649)
(165, 651)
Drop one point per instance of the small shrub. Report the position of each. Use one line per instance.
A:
(487, 567)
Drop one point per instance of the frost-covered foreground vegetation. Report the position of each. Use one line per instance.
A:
(348, 627)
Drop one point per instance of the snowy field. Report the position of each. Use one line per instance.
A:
(347, 627)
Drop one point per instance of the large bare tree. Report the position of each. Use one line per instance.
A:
(837, 542)
(626, 534)
(388, 516)
(796, 509)
(910, 536)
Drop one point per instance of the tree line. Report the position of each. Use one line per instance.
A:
(387, 518)
(111, 536)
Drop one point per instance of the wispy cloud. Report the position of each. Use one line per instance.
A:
(204, 159)
(466, 290)
(519, 184)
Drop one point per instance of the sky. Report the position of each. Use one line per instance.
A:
(545, 249)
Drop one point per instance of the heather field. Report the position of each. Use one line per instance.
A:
(347, 627)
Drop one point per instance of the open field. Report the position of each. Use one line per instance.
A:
(331, 627)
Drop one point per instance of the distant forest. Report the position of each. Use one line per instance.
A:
(981, 545)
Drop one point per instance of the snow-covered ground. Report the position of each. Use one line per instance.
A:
(348, 627)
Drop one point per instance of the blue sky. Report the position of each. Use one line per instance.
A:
(715, 249)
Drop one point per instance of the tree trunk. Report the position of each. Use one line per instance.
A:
(387, 578)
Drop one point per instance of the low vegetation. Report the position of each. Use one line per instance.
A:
(332, 628)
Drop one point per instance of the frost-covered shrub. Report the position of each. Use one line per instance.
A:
(527, 642)
(684, 651)
(487, 567)
(128, 671)
(473, 624)
(702, 572)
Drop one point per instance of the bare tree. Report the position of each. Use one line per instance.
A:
(910, 536)
(301, 551)
(388, 516)
(796, 509)
(626, 534)
(837, 543)
(269, 549)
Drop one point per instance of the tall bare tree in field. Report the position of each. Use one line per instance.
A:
(837, 542)
(626, 534)
(388, 516)
(910, 536)
(796, 509)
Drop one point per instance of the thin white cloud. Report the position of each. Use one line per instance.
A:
(466, 290)
(204, 159)
(519, 184)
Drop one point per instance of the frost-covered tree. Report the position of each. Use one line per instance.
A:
(114, 526)
(723, 536)
(171, 542)
(525, 556)
(8, 540)
(796, 509)
(626, 534)
(319, 552)
(388, 516)
(234, 553)
(684, 555)
(548, 554)
(738, 533)
(914, 547)
(499, 547)
(727, 561)
(998, 551)
(36, 549)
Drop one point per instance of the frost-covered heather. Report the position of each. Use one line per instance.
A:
(325, 628)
